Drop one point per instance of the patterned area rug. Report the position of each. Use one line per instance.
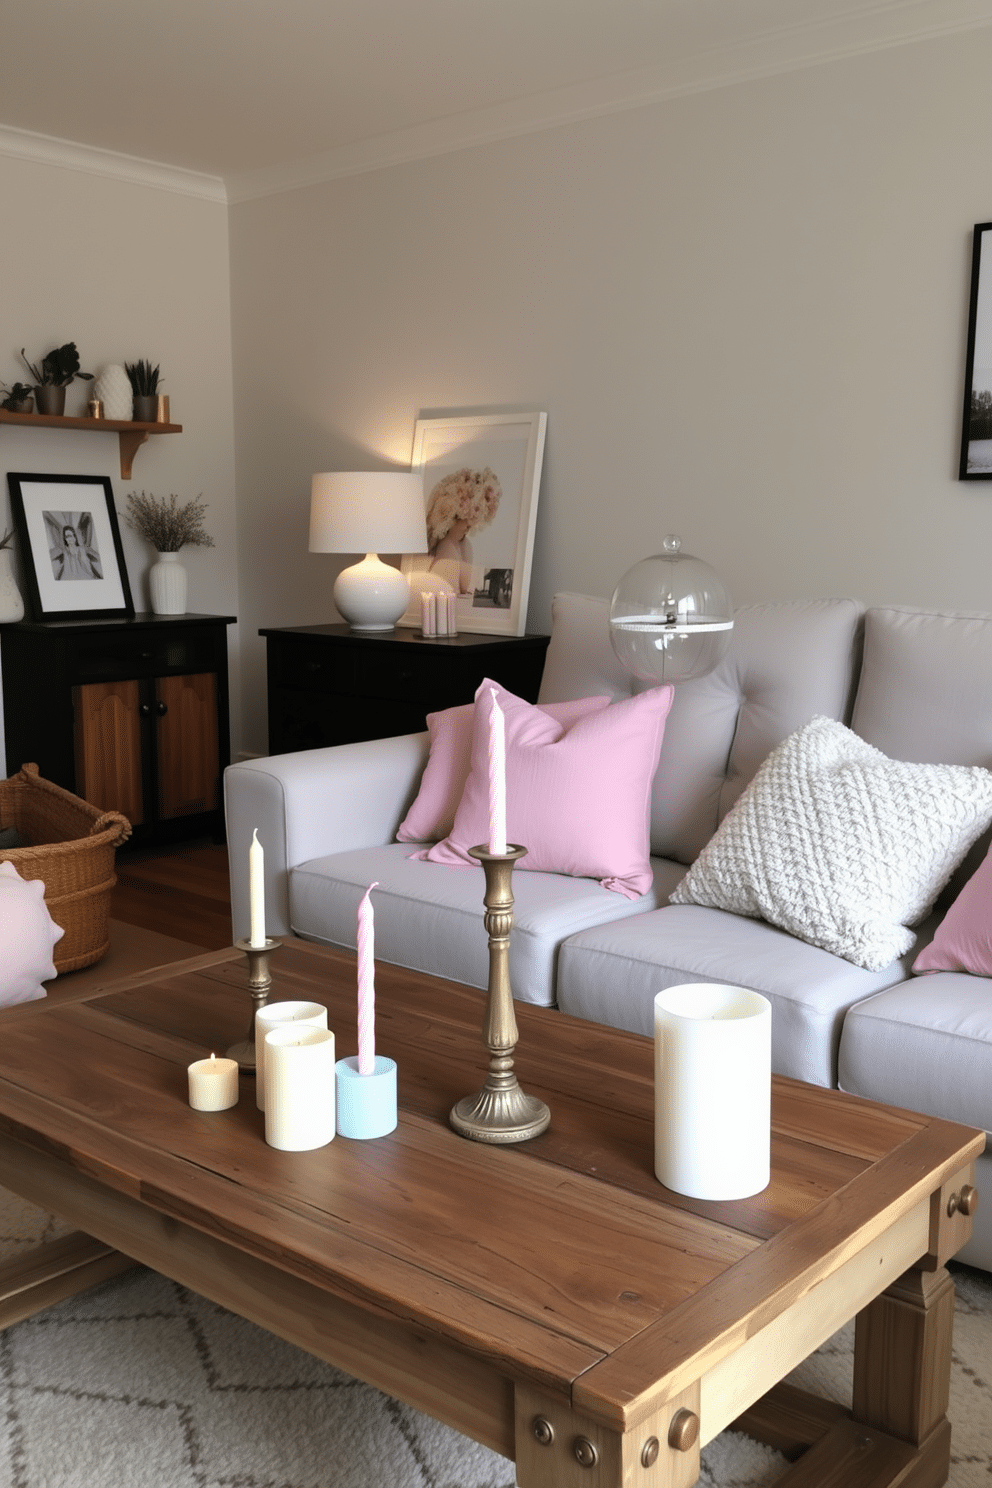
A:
(140, 1383)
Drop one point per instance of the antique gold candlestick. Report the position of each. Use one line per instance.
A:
(259, 982)
(500, 1112)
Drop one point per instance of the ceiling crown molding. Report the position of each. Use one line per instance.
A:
(42, 149)
(864, 28)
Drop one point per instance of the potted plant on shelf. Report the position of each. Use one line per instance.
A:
(144, 380)
(58, 369)
(19, 399)
(168, 526)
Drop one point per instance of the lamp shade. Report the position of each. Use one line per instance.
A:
(670, 616)
(368, 511)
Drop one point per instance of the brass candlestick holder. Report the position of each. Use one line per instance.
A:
(259, 982)
(500, 1112)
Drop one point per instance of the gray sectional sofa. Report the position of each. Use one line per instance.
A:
(917, 685)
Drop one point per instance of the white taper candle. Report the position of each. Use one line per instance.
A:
(497, 778)
(256, 891)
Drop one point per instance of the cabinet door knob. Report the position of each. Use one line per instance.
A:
(161, 709)
(145, 709)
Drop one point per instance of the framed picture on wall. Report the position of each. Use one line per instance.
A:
(976, 431)
(70, 547)
(482, 474)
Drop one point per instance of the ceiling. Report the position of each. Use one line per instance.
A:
(263, 92)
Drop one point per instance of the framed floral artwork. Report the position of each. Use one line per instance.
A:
(71, 550)
(482, 475)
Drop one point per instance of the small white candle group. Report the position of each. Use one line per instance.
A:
(439, 614)
(497, 777)
(213, 1084)
(256, 891)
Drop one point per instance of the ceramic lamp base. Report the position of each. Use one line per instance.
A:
(371, 595)
(366, 1104)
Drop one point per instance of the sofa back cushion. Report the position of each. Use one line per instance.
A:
(786, 662)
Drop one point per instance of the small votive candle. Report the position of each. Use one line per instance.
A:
(299, 1088)
(213, 1084)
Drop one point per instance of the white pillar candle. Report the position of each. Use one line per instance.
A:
(425, 614)
(712, 1084)
(256, 891)
(308, 1014)
(299, 1076)
(213, 1084)
(497, 777)
(432, 613)
(452, 600)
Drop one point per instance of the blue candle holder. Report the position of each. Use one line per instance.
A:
(366, 1104)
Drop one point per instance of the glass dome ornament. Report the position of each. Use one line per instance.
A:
(670, 617)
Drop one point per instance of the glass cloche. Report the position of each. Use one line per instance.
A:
(670, 616)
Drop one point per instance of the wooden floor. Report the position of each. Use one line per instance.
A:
(181, 891)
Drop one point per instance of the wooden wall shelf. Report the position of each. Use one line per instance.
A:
(131, 434)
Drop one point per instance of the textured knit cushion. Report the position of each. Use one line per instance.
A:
(963, 941)
(27, 935)
(432, 814)
(840, 845)
(577, 798)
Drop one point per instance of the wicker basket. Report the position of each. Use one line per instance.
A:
(70, 845)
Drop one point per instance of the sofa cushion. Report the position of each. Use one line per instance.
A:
(446, 773)
(963, 941)
(431, 918)
(925, 1044)
(577, 798)
(786, 661)
(27, 935)
(840, 845)
(610, 973)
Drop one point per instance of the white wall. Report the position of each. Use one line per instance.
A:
(127, 271)
(744, 311)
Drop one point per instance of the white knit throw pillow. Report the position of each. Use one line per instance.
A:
(840, 845)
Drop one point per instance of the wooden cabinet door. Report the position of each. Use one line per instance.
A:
(107, 720)
(186, 745)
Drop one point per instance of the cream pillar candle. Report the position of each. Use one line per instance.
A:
(712, 1084)
(299, 1080)
(213, 1084)
(309, 1014)
(256, 891)
(425, 614)
(452, 600)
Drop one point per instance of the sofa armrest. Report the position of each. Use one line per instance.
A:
(311, 804)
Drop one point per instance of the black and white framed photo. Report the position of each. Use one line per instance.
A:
(70, 547)
(976, 433)
(482, 474)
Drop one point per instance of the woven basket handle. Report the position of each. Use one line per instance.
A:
(112, 819)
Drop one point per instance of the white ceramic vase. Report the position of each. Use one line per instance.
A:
(167, 580)
(113, 388)
(11, 603)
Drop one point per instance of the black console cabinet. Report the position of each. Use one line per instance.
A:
(329, 684)
(132, 715)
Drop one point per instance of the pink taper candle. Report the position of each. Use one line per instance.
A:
(366, 984)
(497, 778)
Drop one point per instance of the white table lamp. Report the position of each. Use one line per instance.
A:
(369, 512)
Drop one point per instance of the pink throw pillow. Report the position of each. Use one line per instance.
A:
(578, 797)
(964, 936)
(27, 935)
(432, 814)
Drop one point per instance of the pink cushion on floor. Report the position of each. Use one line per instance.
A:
(27, 935)
(432, 814)
(964, 936)
(578, 797)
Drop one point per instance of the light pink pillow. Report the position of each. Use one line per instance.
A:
(27, 935)
(432, 814)
(964, 936)
(578, 797)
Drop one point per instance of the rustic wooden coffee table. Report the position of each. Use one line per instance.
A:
(551, 1300)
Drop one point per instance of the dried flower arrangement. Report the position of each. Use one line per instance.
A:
(167, 525)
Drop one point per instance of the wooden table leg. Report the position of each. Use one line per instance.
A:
(902, 1356)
